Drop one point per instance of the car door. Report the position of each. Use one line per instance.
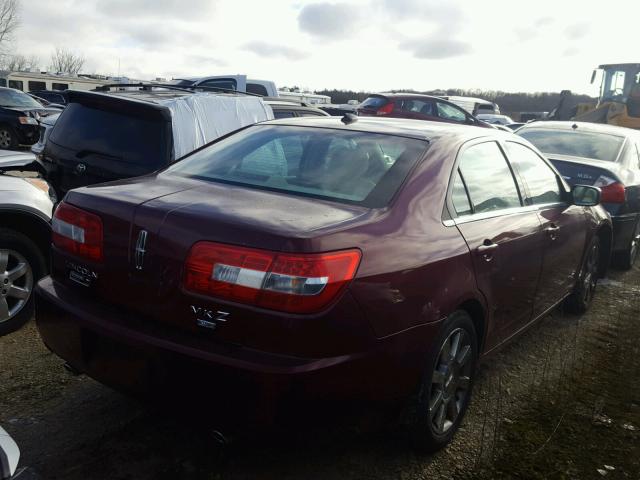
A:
(501, 234)
(564, 228)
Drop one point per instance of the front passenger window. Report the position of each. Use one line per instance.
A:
(488, 178)
(450, 112)
(541, 181)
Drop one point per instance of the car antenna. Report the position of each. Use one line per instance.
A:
(349, 118)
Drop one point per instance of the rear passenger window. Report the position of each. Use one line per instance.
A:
(417, 106)
(540, 179)
(459, 196)
(488, 178)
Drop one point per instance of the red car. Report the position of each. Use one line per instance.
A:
(417, 107)
(308, 263)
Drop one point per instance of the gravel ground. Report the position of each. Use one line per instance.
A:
(562, 401)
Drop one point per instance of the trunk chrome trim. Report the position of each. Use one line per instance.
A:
(140, 249)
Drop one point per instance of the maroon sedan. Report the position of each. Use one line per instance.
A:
(417, 107)
(320, 262)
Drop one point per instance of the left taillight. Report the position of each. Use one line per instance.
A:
(77, 232)
(296, 283)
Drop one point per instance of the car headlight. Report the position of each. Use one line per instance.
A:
(28, 120)
(42, 184)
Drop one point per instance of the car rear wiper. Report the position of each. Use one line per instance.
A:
(85, 153)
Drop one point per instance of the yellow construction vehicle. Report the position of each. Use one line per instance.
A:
(619, 99)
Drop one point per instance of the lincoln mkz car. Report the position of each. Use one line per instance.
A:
(309, 261)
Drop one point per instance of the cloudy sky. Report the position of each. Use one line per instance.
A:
(535, 45)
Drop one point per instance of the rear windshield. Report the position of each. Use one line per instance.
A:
(598, 146)
(351, 167)
(128, 138)
(373, 102)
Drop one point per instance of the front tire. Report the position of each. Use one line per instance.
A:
(580, 300)
(445, 390)
(21, 265)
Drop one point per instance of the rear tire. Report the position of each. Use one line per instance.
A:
(580, 300)
(625, 260)
(8, 139)
(435, 413)
(21, 266)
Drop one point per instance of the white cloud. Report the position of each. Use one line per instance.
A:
(357, 44)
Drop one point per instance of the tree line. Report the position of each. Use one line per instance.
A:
(509, 102)
(62, 60)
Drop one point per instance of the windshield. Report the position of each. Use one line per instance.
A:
(16, 98)
(374, 102)
(620, 82)
(598, 146)
(352, 167)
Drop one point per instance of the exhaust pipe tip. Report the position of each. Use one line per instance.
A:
(71, 369)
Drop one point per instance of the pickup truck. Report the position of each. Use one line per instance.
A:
(238, 83)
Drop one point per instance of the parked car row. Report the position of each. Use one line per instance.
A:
(276, 267)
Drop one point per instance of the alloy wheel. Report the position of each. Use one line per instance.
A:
(590, 273)
(5, 139)
(16, 283)
(451, 381)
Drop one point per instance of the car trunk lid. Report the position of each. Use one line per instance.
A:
(145, 276)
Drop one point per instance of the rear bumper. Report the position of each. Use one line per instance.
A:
(623, 229)
(258, 387)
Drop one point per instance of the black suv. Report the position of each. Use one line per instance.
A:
(127, 131)
(19, 115)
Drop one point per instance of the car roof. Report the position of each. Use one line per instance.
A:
(418, 129)
(582, 127)
(405, 95)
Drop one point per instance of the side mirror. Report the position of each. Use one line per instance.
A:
(593, 76)
(9, 455)
(585, 195)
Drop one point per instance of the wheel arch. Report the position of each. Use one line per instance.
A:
(34, 227)
(476, 310)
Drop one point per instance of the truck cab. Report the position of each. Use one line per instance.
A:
(238, 83)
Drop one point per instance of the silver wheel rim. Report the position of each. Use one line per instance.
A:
(450, 381)
(16, 283)
(590, 277)
(5, 139)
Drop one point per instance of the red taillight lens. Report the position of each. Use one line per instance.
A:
(385, 109)
(301, 283)
(612, 191)
(77, 232)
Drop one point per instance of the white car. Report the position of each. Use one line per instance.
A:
(495, 118)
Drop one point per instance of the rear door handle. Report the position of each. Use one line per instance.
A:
(552, 230)
(486, 250)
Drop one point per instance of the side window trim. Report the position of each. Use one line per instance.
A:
(514, 167)
(466, 190)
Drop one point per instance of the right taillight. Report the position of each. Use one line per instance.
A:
(77, 231)
(385, 109)
(612, 191)
(297, 283)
